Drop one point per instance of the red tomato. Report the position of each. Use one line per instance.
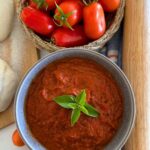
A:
(37, 21)
(17, 139)
(33, 4)
(46, 5)
(69, 13)
(67, 38)
(94, 21)
(110, 5)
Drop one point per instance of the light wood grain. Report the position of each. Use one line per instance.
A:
(136, 65)
(20, 53)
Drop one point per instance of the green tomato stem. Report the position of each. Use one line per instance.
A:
(62, 17)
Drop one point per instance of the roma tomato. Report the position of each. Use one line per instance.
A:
(110, 5)
(94, 20)
(67, 38)
(37, 21)
(44, 4)
(69, 13)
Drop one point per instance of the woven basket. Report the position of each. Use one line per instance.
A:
(114, 19)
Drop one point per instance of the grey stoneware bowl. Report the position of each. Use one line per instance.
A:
(129, 101)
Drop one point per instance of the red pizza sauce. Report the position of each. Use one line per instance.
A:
(50, 123)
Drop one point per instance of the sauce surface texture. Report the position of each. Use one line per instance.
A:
(50, 123)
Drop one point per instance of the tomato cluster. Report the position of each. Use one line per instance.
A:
(68, 23)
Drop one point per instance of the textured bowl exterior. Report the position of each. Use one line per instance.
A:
(129, 101)
(113, 28)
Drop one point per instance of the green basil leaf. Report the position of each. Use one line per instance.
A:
(81, 98)
(72, 105)
(64, 100)
(84, 110)
(75, 116)
(91, 110)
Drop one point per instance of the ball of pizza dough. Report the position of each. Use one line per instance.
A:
(8, 85)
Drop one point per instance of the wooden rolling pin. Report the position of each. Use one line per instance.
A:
(136, 65)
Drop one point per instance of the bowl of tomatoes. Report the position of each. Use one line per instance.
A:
(55, 24)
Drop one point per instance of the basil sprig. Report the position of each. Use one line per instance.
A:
(78, 104)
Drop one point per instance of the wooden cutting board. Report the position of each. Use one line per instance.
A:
(136, 65)
(20, 53)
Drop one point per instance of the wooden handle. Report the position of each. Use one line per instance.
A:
(136, 65)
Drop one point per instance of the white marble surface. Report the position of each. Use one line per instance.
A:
(6, 139)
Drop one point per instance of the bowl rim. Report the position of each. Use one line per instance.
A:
(104, 58)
